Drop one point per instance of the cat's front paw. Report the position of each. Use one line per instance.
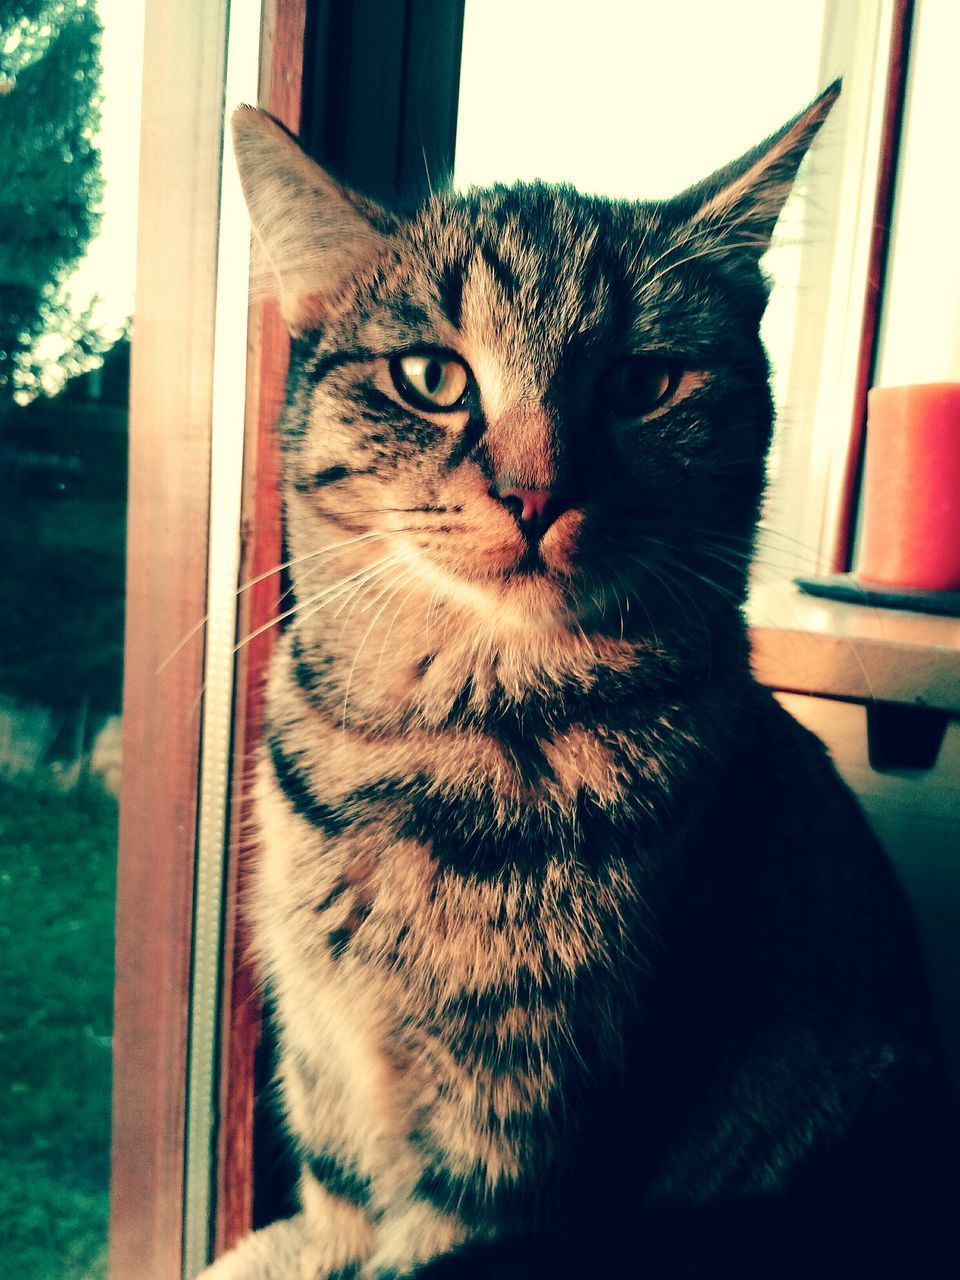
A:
(284, 1251)
(271, 1254)
(314, 1264)
(409, 1239)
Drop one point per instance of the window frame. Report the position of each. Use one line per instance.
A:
(172, 411)
(281, 93)
(891, 132)
(168, 510)
(811, 526)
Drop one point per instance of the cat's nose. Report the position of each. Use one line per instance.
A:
(534, 510)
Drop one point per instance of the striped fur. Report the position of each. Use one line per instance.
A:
(539, 863)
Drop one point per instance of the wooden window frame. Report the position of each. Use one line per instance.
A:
(168, 509)
(881, 226)
(809, 520)
(171, 406)
(281, 93)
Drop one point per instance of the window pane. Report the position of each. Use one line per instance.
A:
(69, 98)
(640, 100)
(634, 100)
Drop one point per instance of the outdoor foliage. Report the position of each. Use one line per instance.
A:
(50, 187)
(62, 462)
(61, 596)
(62, 470)
(56, 934)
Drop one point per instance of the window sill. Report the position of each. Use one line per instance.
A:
(853, 652)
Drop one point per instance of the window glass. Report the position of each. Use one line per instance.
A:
(637, 101)
(920, 339)
(640, 100)
(69, 100)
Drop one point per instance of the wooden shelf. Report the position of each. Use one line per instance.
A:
(860, 653)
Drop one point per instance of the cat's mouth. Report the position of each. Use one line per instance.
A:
(531, 562)
(535, 564)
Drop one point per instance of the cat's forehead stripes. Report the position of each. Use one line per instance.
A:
(524, 284)
(518, 279)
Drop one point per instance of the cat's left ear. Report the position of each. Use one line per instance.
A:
(738, 206)
(315, 233)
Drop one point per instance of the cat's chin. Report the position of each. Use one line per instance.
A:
(534, 598)
(521, 592)
(524, 601)
(510, 599)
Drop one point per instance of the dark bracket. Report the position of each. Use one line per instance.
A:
(382, 81)
(902, 737)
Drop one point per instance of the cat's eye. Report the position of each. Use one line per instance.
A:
(637, 384)
(430, 380)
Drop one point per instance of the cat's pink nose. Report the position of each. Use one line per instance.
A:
(534, 510)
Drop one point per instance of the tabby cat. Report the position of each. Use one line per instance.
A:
(584, 961)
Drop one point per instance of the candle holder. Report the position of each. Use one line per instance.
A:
(911, 488)
(909, 556)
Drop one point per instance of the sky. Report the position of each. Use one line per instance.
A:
(108, 268)
(637, 100)
(625, 98)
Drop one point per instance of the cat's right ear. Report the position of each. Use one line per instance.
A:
(734, 211)
(314, 232)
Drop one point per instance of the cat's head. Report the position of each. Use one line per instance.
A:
(546, 406)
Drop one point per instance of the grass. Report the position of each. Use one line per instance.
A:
(56, 934)
(61, 600)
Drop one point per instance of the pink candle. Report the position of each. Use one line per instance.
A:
(911, 487)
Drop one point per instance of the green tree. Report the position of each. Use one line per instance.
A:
(50, 183)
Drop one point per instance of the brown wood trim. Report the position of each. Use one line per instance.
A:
(170, 404)
(268, 350)
(838, 649)
(901, 29)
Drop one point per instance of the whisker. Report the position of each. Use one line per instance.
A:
(311, 555)
(318, 568)
(178, 647)
(429, 616)
(403, 603)
(261, 577)
(672, 587)
(346, 588)
(366, 636)
(352, 591)
(288, 613)
(385, 511)
(355, 596)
